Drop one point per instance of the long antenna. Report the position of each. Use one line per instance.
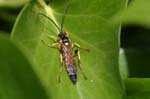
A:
(63, 18)
(51, 21)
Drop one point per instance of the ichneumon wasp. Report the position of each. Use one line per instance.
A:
(67, 52)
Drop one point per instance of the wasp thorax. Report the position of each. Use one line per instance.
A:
(65, 39)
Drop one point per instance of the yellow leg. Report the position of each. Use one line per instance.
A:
(50, 45)
(61, 67)
(77, 53)
(77, 45)
(52, 37)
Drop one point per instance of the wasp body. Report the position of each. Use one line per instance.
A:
(68, 57)
(67, 51)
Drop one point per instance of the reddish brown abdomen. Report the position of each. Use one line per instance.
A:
(69, 62)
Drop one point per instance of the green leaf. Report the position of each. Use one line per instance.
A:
(123, 65)
(12, 3)
(88, 24)
(17, 78)
(138, 88)
(5, 34)
(138, 12)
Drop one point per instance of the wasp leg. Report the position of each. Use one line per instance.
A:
(61, 67)
(77, 45)
(77, 53)
(52, 37)
(50, 45)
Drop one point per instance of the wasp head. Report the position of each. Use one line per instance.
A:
(64, 37)
(63, 34)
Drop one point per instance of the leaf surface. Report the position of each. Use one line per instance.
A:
(138, 88)
(17, 78)
(137, 12)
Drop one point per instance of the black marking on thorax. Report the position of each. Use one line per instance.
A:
(65, 40)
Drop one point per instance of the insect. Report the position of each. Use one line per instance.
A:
(67, 52)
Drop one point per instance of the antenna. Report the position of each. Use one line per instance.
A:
(63, 18)
(51, 21)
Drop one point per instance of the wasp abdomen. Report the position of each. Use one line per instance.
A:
(72, 73)
(73, 78)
